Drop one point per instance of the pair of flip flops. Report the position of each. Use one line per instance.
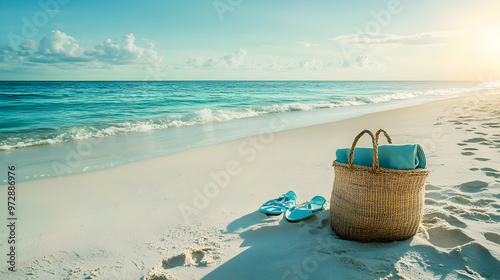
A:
(293, 213)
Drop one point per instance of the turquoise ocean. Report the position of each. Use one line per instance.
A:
(58, 128)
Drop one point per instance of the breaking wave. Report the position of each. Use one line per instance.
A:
(207, 115)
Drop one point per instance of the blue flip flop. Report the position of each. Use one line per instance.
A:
(305, 210)
(279, 205)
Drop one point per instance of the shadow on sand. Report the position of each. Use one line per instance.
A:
(310, 249)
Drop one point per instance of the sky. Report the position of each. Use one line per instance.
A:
(249, 40)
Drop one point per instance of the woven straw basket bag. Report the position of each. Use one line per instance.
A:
(373, 203)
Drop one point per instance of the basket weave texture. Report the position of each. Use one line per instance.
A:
(373, 203)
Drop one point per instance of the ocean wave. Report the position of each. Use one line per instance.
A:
(208, 115)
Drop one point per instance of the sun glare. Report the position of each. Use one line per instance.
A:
(488, 42)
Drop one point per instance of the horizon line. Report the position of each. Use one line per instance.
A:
(222, 80)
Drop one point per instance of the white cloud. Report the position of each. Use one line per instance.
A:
(8, 54)
(59, 43)
(360, 61)
(228, 61)
(308, 45)
(194, 61)
(308, 64)
(316, 65)
(375, 40)
(127, 53)
(107, 49)
(28, 45)
(58, 47)
(235, 58)
(130, 50)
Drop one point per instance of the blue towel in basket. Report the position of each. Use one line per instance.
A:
(404, 157)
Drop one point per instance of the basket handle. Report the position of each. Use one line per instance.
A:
(375, 165)
(377, 135)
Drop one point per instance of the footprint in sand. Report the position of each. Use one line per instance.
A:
(483, 202)
(323, 223)
(430, 201)
(318, 224)
(189, 258)
(476, 140)
(484, 266)
(487, 169)
(480, 133)
(200, 257)
(435, 217)
(432, 187)
(160, 275)
(492, 125)
(447, 238)
(435, 195)
(178, 260)
(461, 199)
(491, 172)
(477, 215)
(473, 186)
(493, 237)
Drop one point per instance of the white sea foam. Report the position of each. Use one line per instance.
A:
(208, 115)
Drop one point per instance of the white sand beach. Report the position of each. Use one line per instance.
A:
(193, 214)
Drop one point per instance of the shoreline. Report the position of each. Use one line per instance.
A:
(202, 202)
(80, 156)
